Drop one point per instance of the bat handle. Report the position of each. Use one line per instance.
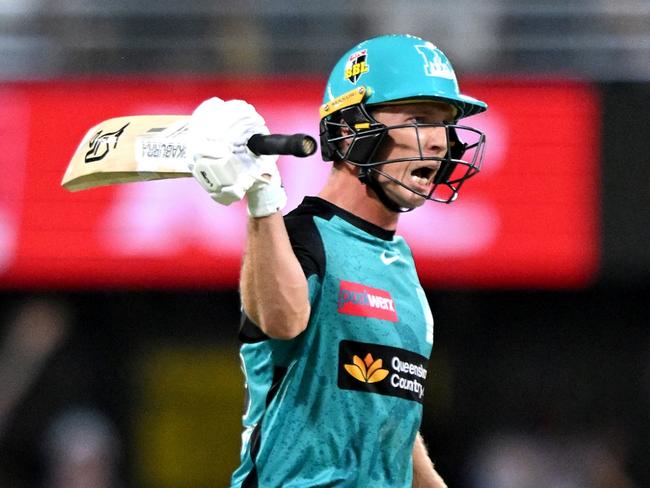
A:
(300, 145)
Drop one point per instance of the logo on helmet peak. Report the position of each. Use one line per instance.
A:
(434, 64)
(356, 66)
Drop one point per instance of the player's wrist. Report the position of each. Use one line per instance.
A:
(266, 199)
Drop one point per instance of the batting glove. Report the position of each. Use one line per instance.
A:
(222, 163)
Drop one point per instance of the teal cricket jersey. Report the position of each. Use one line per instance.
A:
(339, 405)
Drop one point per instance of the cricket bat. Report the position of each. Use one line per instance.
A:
(153, 147)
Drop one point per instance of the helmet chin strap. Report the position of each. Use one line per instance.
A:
(368, 177)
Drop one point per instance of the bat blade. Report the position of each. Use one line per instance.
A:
(128, 149)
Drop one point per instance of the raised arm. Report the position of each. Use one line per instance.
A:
(273, 286)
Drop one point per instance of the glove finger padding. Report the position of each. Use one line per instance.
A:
(218, 133)
(232, 122)
(245, 122)
(217, 136)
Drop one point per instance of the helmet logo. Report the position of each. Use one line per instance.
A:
(434, 63)
(356, 66)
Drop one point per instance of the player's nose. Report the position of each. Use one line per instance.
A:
(434, 141)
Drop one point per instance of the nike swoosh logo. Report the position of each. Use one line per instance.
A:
(388, 259)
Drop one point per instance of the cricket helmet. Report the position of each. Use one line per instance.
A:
(388, 70)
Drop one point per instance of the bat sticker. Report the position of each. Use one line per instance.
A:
(100, 144)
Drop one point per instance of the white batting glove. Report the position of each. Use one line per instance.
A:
(222, 163)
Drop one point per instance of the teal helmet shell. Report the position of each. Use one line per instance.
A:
(395, 68)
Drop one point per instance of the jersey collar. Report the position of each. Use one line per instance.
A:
(325, 208)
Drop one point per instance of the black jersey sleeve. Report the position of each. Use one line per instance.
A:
(306, 243)
(249, 332)
(308, 248)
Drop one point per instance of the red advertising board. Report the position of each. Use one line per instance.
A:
(529, 219)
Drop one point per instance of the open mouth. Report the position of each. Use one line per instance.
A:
(423, 176)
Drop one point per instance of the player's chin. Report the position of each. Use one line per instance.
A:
(410, 200)
(418, 201)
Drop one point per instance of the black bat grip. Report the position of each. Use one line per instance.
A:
(300, 145)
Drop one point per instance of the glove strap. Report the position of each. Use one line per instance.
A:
(266, 200)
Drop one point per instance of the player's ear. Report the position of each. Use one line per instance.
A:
(345, 129)
(346, 134)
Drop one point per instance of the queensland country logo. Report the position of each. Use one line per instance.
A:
(101, 143)
(384, 370)
(367, 370)
(365, 301)
(356, 66)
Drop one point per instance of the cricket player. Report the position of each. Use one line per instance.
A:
(336, 328)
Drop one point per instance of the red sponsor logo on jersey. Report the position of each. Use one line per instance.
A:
(365, 301)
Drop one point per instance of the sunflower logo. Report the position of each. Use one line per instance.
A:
(366, 370)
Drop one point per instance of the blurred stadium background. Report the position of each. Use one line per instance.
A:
(118, 306)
